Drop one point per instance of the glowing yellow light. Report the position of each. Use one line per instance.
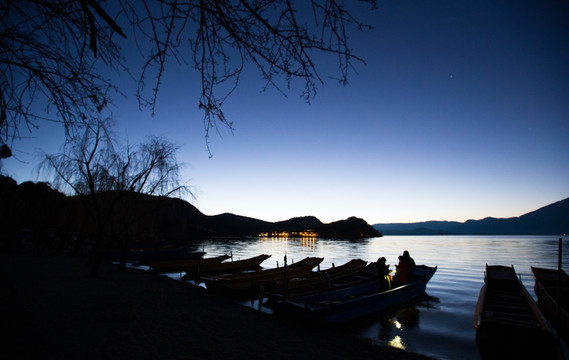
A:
(397, 342)
(397, 324)
(285, 234)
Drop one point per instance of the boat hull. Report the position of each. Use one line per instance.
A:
(320, 281)
(145, 255)
(355, 302)
(185, 265)
(225, 267)
(507, 320)
(252, 280)
(553, 304)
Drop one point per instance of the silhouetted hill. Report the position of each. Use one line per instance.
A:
(298, 224)
(552, 219)
(351, 228)
(233, 225)
(49, 213)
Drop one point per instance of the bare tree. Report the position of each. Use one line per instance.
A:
(56, 52)
(96, 168)
(149, 168)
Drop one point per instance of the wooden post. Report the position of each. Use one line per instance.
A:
(261, 295)
(560, 250)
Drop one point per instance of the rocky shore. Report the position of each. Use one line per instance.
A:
(51, 308)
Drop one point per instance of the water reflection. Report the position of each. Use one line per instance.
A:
(392, 327)
(408, 317)
(282, 243)
(397, 342)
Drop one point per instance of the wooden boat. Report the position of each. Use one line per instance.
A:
(145, 254)
(552, 290)
(225, 267)
(320, 281)
(185, 265)
(248, 280)
(358, 301)
(508, 322)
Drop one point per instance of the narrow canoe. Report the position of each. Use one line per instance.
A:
(320, 281)
(358, 301)
(507, 320)
(244, 281)
(185, 265)
(553, 300)
(154, 254)
(225, 267)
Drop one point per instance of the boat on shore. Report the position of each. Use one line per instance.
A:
(552, 290)
(507, 320)
(224, 267)
(354, 302)
(145, 254)
(252, 280)
(323, 280)
(185, 265)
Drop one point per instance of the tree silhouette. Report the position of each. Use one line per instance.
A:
(104, 174)
(59, 53)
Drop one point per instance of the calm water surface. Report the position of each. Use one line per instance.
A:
(441, 326)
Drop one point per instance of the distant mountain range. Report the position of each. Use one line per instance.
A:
(549, 220)
(47, 212)
(38, 207)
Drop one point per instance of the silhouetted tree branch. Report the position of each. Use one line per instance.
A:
(56, 52)
(48, 53)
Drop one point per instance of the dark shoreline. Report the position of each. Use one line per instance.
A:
(51, 308)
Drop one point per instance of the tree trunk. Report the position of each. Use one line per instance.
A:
(124, 251)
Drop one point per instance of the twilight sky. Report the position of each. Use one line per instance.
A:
(461, 112)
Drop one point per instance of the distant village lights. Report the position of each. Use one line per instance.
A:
(285, 234)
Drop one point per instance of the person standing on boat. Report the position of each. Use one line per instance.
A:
(383, 273)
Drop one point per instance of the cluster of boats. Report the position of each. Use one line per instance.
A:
(510, 324)
(336, 294)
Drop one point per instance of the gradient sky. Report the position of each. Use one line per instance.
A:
(462, 112)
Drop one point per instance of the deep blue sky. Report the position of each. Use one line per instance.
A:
(461, 112)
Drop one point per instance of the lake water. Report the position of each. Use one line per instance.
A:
(440, 326)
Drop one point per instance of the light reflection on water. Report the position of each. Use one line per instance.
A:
(442, 326)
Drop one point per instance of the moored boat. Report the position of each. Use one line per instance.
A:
(145, 254)
(357, 301)
(248, 280)
(507, 320)
(185, 265)
(224, 267)
(552, 290)
(323, 280)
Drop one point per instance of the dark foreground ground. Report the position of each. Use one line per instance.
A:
(51, 309)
